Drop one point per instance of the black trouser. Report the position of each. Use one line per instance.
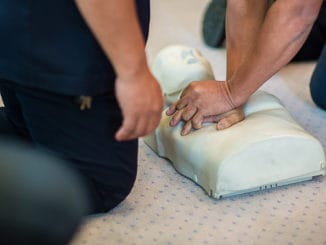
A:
(83, 137)
(318, 81)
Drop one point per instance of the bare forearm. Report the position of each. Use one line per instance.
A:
(116, 27)
(285, 28)
(243, 22)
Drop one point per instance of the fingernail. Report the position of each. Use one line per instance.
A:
(171, 123)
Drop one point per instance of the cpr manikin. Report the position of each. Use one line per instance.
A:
(265, 150)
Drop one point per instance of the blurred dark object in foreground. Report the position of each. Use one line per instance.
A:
(42, 201)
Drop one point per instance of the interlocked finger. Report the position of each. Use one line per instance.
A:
(188, 113)
(176, 118)
(197, 121)
(186, 129)
(183, 102)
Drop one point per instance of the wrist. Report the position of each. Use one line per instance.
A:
(224, 88)
(237, 95)
(134, 69)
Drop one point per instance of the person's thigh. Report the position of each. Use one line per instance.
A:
(86, 139)
(318, 81)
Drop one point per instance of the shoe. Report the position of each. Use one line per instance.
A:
(213, 28)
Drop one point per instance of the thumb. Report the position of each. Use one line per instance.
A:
(126, 131)
(230, 118)
(120, 135)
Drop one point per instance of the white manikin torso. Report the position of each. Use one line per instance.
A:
(267, 149)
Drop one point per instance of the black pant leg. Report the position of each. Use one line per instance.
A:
(12, 122)
(86, 139)
(318, 81)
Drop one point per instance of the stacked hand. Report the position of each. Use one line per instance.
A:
(205, 101)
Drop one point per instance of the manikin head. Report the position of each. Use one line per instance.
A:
(176, 66)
